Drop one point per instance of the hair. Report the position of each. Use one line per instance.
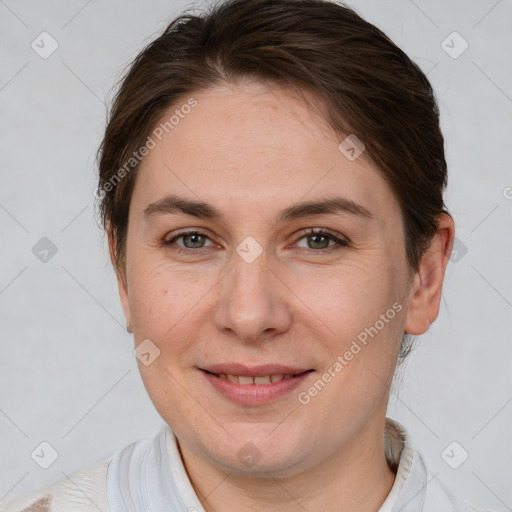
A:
(364, 83)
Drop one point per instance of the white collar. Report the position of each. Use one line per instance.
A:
(410, 485)
(150, 475)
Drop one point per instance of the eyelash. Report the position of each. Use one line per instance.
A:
(312, 232)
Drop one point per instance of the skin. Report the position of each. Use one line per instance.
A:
(252, 150)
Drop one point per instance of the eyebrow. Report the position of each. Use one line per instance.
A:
(173, 204)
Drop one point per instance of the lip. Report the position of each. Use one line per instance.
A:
(254, 394)
(253, 371)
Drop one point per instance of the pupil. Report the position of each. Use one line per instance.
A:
(195, 239)
(316, 237)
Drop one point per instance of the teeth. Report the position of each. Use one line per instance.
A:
(263, 379)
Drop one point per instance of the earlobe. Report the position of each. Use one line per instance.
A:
(427, 285)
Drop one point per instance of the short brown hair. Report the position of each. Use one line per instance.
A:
(366, 84)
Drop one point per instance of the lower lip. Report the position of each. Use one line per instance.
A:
(254, 394)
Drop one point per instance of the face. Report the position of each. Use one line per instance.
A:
(268, 272)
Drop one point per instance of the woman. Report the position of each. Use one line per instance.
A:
(271, 183)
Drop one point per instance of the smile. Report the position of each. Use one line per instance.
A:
(259, 389)
(247, 379)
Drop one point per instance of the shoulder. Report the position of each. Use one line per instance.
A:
(83, 490)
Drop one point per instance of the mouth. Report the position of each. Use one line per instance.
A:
(254, 386)
(263, 380)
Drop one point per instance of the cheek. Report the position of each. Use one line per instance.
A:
(164, 306)
(163, 298)
(360, 313)
(348, 298)
(169, 306)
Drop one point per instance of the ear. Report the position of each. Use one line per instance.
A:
(427, 284)
(121, 279)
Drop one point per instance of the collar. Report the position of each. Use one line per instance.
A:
(409, 489)
(149, 475)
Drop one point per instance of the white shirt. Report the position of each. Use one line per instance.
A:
(149, 476)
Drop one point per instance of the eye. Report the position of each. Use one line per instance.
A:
(192, 240)
(321, 239)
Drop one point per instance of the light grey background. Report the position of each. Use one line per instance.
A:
(67, 372)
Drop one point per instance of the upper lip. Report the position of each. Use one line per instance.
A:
(254, 371)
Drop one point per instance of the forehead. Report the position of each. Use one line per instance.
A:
(253, 144)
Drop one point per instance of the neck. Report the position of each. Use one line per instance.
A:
(357, 478)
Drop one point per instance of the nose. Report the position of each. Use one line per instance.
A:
(254, 303)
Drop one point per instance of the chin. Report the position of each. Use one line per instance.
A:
(258, 449)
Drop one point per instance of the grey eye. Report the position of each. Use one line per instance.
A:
(193, 240)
